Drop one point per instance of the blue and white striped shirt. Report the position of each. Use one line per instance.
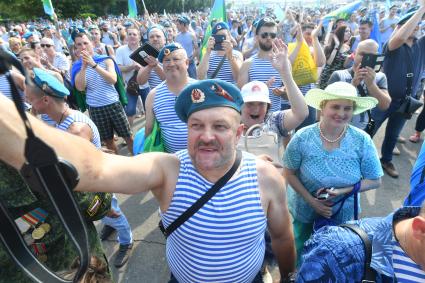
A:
(225, 72)
(224, 240)
(78, 117)
(173, 130)
(262, 70)
(98, 91)
(154, 80)
(405, 269)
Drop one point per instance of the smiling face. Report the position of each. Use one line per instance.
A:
(156, 38)
(253, 113)
(175, 64)
(212, 138)
(337, 113)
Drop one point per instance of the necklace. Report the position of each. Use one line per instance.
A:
(329, 140)
(63, 114)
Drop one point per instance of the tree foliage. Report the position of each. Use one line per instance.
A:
(32, 9)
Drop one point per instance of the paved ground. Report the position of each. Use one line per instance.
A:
(148, 264)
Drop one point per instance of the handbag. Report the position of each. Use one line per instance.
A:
(304, 69)
(322, 221)
(409, 104)
(132, 85)
(202, 200)
(265, 143)
(153, 142)
(370, 127)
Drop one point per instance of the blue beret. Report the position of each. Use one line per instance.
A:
(27, 35)
(31, 28)
(90, 28)
(128, 24)
(406, 17)
(207, 94)
(167, 49)
(262, 22)
(183, 19)
(49, 84)
(161, 28)
(76, 31)
(219, 26)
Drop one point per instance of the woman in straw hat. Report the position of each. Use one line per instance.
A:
(329, 160)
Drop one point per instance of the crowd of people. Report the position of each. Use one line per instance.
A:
(292, 104)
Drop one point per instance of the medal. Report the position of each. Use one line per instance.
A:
(42, 257)
(45, 227)
(38, 233)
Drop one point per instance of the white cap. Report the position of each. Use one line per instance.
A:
(255, 91)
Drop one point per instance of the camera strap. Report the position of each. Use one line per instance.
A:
(220, 64)
(51, 178)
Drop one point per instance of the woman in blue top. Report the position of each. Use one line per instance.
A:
(330, 153)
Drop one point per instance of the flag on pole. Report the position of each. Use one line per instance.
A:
(218, 13)
(48, 7)
(375, 34)
(342, 13)
(132, 9)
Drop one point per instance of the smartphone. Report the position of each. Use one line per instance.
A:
(373, 61)
(219, 38)
(324, 195)
(144, 51)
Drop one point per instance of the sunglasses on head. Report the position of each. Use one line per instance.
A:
(267, 34)
(45, 45)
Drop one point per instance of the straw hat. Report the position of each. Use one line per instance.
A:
(340, 90)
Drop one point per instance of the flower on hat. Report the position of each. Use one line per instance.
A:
(220, 91)
(198, 96)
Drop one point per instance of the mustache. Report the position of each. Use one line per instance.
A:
(213, 144)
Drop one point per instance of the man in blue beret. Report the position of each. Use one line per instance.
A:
(220, 60)
(403, 66)
(189, 42)
(224, 240)
(47, 96)
(161, 100)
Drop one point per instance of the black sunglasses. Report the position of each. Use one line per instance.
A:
(45, 45)
(267, 34)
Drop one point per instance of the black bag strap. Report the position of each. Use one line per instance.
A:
(202, 200)
(46, 175)
(220, 64)
(409, 74)
(369, 274)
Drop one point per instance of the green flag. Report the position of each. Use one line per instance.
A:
(218, 13)
(48, 7)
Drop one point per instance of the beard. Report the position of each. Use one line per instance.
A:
(264, 47)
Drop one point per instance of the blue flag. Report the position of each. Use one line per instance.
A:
(343, 12)
(132, 9)
(375, 34)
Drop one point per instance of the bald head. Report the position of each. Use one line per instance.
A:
(368, 46)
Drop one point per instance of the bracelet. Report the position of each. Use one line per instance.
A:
(95, 66)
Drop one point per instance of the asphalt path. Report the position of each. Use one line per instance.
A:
(148, 263)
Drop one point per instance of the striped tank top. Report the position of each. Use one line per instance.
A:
(405, 269)
(225, 72)
(7, 91)
(77, 116)
(224, 240)
(262, 70)
(173, 130)
(98, 91)
(154, 79)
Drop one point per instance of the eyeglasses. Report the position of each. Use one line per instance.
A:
(45, 45)
(272, 35)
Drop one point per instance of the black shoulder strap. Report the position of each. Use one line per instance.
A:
(369, 273)
(218, 67)
(202, 200)
(409, 75)
(106, 50)
(363, 94)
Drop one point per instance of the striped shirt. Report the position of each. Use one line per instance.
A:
(405, 269)
(7, 91)
(262, 70)
(61, 62)
(225, 72)
(173, 130)
(78, 117)
(224, 240)
(98, 91)
(154, 79)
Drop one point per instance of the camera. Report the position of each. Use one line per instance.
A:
(219, 38)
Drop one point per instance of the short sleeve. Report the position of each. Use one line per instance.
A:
(293, 156)
(370, 165)
(119, 57)
(275, 121)
(382, 82)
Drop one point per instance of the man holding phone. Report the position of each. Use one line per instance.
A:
(366, 80)
(220, 60)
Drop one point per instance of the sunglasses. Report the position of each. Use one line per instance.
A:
(46, 45)
(267, 34)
